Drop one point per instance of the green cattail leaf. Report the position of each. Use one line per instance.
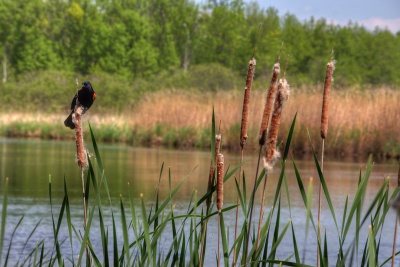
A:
(296, 249)
(325, 188)
(168, 199)
(125, 233)
(371, 249)
(289, 138)
(224, 241)
(12, 238)
(115, 241)
(3, 216)
(147, 234)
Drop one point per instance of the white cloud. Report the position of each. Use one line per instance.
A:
(392, 25)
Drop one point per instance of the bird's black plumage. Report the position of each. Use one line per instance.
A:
(85, 98)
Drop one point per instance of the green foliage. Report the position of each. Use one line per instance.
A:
(143, 39)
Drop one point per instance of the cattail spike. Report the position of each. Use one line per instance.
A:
(269, 104)
(218, 138)
(330, 67)
(80, 147)
(246, 102)
(220, 181)
(271, 153)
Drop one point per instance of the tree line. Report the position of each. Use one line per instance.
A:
(143, 38)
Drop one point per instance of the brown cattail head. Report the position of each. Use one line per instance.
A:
(269, 104)
(80, 147)
(217, 146)
(325, 101)
(209, 185)
(282, 96)
(220, 181)
(246, 101)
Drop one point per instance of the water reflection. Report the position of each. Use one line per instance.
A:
(28, 164)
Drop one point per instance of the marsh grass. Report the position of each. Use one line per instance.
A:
(362, 133)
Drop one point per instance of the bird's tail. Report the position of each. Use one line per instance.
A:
(69, 123)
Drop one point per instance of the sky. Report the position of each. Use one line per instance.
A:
(384, 14)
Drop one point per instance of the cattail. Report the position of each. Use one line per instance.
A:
(80, 147)
(220, 181)
(283, 95)
(246, 101)
(330, 67)
(269, 104)
(217, 145)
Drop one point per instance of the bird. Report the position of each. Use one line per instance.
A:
(84, 97)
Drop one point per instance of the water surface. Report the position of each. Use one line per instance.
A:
(30, 164)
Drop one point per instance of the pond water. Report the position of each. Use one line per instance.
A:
(30, 164)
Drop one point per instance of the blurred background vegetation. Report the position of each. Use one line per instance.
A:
(130, 47)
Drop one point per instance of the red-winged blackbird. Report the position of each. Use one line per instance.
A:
(85, 97)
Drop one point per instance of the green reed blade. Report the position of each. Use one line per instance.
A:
(12, 238)
(286, 263)
(125, 233)
(296, 249)
(278, 240)
(276, 231)
(3, 216)
(115, 241)
(27, 240)
(224, 241)
(146, 225)
(289, 138)
(371, 249)
(325, 188)
(169, 198)
(287, 194)
(104, 241)
(93, 256)
(85, 238)
(68, 212)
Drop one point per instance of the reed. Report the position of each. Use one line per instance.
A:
(396, 205)
(220, 197)
(243, 135)
(261, 140)
(324, 131)
(272, 154)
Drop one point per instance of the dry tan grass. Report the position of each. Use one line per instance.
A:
(371, 114)
(370, 117)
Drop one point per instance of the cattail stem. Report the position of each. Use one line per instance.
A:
(243, 136)
(261, 140)
(395, 239)
(271, 153)
(220, 196)
(324, 131)
(220, 181)
(237, 210)
(208, 203)
(81, 159)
